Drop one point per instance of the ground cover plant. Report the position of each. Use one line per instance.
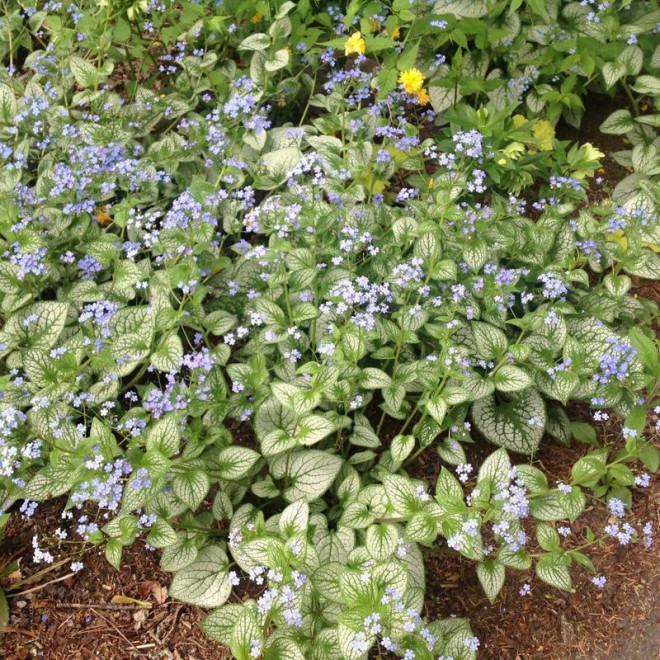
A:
(312, 223)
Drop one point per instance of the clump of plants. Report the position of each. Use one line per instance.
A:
(351, 234)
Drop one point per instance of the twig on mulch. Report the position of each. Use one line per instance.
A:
(108, 621)
(98, 606)
(40, 586)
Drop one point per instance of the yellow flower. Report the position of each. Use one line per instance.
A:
(412, 80)
(396, 33)
(374, 25)
(501, 161)
(518, 121)
(544, 132)
(591, 153)
(422, 97)
(257, 18)
(355, 45)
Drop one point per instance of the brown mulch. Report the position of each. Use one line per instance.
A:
(99, 612)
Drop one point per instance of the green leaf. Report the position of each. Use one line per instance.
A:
(8, 105)
(40, 333)
(113, 552)
(508, 424)
(4, 609)
(219, 625)
(310, 473)
(162, 535)
(612, 72)
(245, 630)
(584, 432)
(490, 341)
(51, 481)
(647, 350)
(510, 378)
(204, 582)
(177, 556)
(462, 8)
(649, 85)
(491, 575)
(313, 429)
(281, 161)
(294, 519)
(554, 570)
(373, 379)
(632, 57)
(278, 60)
(572, 503)
(191, 487)
(257, 41)
(401, 447)
(236, 462)
(437, 408)
(496, 469)
(381, 541)
(169, 354)
(618, 123)
(164, 436)
(547, 536)
(422, 528)
(448, 489)
(85, 73)
(650, 457)
(401, 494)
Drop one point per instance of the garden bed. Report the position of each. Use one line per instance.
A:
(276, 280)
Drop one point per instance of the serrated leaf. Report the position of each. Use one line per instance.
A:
(204, 582)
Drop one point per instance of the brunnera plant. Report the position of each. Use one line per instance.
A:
(255, 261)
